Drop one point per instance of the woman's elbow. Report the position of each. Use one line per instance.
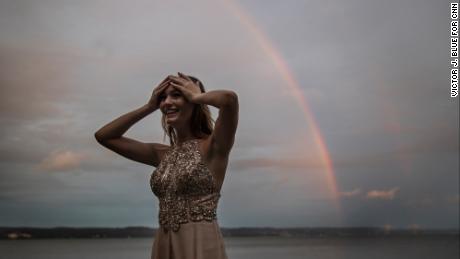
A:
(100, 138)
(231, 98)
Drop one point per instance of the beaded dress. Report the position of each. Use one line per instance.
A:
(188, 197)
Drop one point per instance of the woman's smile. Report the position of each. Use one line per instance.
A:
(171, 114)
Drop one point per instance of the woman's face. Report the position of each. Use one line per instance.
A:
(176, 109)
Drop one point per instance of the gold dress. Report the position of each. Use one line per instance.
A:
(188, 197)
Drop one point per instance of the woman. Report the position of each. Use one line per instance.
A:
(190, 171)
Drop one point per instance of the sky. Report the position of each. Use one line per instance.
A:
(345, 114)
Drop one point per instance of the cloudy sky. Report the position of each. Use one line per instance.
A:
(346, 117)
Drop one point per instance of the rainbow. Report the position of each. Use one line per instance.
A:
(296, 92)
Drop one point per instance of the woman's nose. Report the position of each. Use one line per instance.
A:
(166, 101)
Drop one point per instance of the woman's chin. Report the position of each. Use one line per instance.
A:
(176, 121)
(172, 121)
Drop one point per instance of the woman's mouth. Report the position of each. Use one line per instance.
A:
(171, 112)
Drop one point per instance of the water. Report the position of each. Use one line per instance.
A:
(243, 248)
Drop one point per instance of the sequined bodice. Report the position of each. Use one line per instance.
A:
(185, 187)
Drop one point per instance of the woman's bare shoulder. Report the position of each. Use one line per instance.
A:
(159, 149)
(160, 146)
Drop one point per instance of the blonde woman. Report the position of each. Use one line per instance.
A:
(190, 171)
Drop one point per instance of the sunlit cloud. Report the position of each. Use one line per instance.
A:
(61, 160)
(351, 193)
(453, 199)
(382, 194)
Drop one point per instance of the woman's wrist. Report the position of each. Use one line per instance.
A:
(150, 107)
(216, 98)
(196, 98)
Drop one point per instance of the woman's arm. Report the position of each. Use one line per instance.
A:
(111, 135)
(119, 126)
(223, 135)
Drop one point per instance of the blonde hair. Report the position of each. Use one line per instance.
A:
(201, 122)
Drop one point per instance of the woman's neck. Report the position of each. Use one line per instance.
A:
(184, 135)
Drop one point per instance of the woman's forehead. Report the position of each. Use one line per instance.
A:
(169, 89)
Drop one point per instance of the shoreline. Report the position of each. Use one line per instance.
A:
(14, 233)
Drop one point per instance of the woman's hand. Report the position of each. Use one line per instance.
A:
(154, 101)
(186, 86)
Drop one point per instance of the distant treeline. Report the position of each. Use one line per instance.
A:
(134, 232)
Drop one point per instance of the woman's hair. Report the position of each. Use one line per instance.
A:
(201, 121)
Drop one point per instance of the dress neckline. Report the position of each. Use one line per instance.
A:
(186, 141)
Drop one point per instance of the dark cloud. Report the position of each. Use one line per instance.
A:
(374, 74)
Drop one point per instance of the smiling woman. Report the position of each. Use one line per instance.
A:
(190, 171)
(201, 121)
